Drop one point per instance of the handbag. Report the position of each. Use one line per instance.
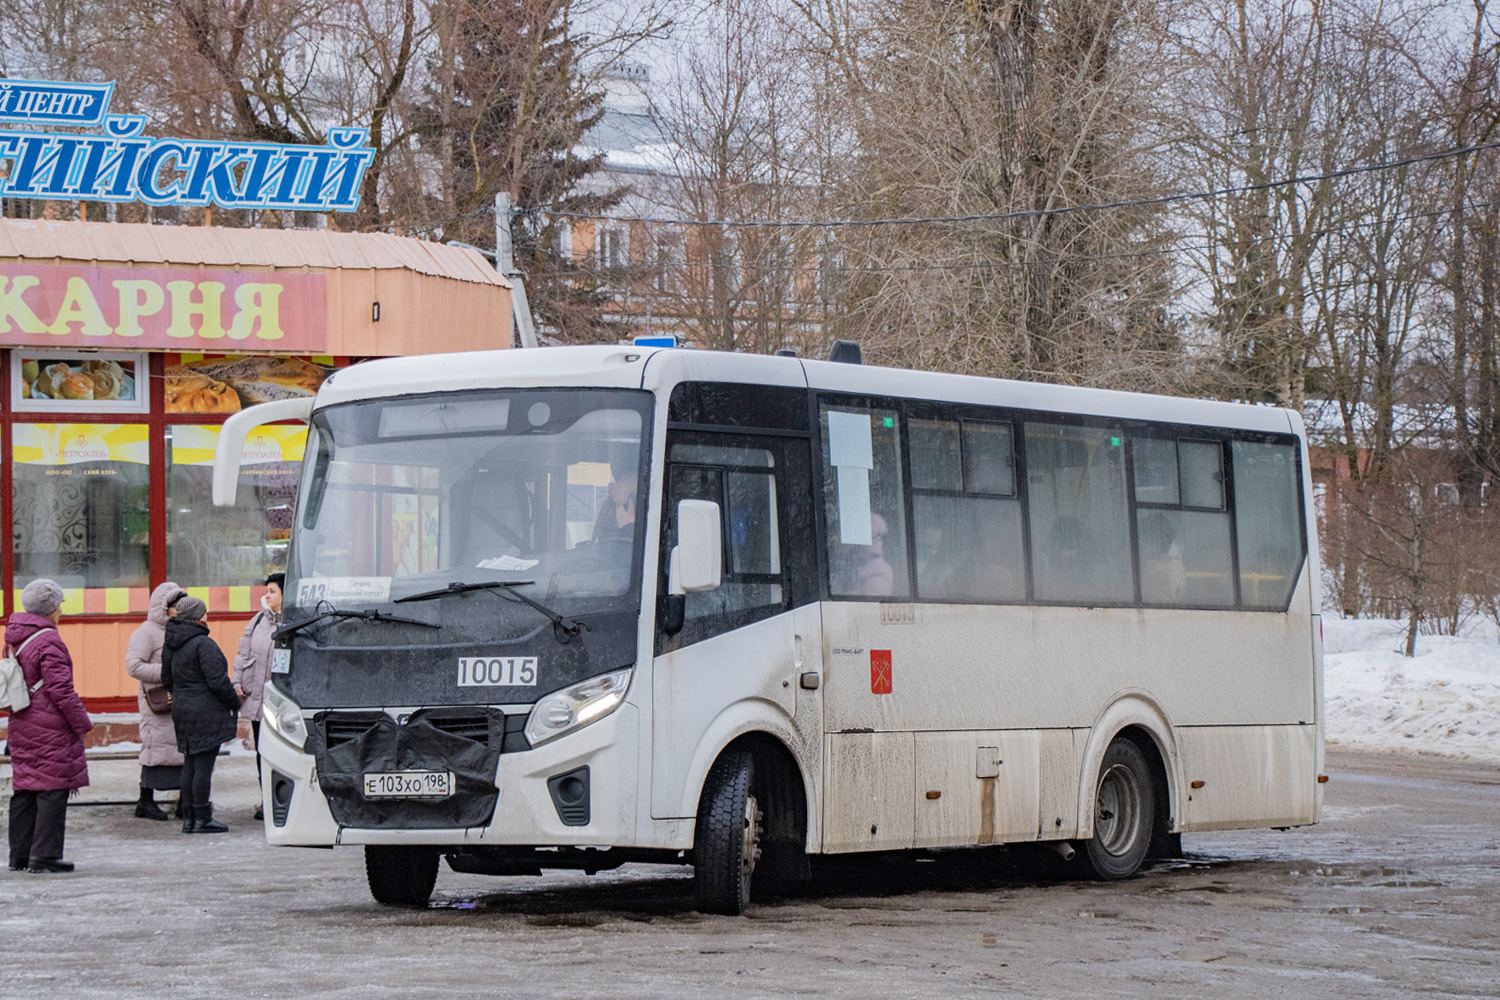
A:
(159, 700)
(14, 694)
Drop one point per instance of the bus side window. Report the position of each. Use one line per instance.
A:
(966, 521)
(1182, 524)
(864, 503)
(1268, 523)
(1080, 521)
(743, 482)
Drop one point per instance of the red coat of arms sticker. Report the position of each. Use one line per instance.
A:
(880, 671)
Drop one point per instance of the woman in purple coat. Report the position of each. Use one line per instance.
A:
(46, 737)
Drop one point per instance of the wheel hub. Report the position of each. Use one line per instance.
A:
(1117, 810)
(750, 847)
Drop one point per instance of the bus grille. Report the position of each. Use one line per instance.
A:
(339, 728)
(470, 727)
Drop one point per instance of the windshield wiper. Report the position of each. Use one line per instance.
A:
(565, 629)
(370, 615)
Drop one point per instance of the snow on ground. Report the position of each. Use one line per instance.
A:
(1445, 700)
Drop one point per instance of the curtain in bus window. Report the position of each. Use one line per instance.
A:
(1185, 558)
(79, 495)
(989, 460)
(969, 548)
(1202, 474)
(864, 502)
(1080, 524)
(1267, 525)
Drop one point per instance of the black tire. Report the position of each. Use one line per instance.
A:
(726, 844)
(401, 876)
(1124, 814)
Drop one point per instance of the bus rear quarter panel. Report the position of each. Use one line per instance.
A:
(995, 717)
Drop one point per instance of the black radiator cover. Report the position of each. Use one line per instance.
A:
(416, 743)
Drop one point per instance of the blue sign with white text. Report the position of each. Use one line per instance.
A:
(36, 102)
(121, 165)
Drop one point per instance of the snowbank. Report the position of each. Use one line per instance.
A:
(1445, 700)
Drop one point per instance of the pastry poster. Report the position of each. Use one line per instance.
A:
(230, 384)
(84, 383)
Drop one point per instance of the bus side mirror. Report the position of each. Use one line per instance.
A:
(232, 434)
(697, 560)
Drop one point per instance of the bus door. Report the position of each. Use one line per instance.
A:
(749, 651)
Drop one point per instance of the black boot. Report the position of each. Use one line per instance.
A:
(147, 808)
(46, 866)
(206, 821)
(177, 809)
(189, 818)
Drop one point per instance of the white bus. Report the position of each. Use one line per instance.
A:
(575, 607)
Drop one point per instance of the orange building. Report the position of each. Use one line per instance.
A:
(124, 347)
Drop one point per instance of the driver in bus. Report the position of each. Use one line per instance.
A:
(616, 518)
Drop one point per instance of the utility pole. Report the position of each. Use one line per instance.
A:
(505, 263)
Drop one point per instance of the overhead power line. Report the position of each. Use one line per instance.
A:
(1166, 199)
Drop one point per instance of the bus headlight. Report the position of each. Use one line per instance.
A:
(284, 715)
(575, 707)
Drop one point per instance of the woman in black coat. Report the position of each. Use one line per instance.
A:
(205, 708)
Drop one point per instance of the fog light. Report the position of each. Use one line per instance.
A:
(570, 796)
(282, 788)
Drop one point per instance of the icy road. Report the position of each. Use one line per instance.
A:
(1396, 893)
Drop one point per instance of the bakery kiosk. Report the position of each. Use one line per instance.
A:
(124, 347)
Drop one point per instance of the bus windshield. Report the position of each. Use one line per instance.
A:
(533, 487)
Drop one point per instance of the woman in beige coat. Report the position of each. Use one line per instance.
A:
(161, 764)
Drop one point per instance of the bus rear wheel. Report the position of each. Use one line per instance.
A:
(726, 844)
(401, 876)
(1124, 809)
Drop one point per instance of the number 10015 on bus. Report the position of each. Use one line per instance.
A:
(497, 671)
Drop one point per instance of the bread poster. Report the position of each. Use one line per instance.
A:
(228, 385)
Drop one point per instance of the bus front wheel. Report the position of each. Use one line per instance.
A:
(1124, 808)
(726, 844)
(399, 875)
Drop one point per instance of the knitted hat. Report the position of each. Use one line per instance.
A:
(190, 609)
(42, 597)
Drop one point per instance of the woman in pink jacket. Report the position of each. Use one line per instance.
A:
(161, 764)
(46, 737)
(252, 664)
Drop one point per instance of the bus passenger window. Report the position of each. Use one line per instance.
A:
(864, 502)
(1268, 525)
(1080, 527)
(1182, 527)
(969, 549)
(966, 528)
(989, 459)
(1185, 558)
(935, 463)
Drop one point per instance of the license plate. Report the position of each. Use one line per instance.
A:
(409, 785)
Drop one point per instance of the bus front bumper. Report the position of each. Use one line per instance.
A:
(527, 811)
